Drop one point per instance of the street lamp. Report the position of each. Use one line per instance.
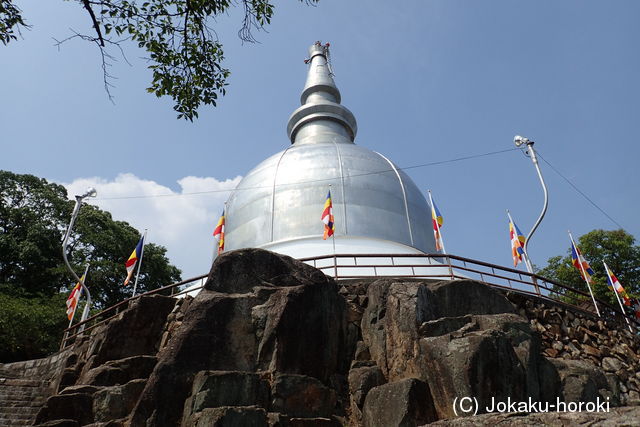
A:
(520, 141)
(91, 192)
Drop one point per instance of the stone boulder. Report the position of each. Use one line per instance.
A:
(302, 396)
(111, 403)
(461, 337)
(276, 315)
(241, 271)
(246, 416)
(625, 416)
(363, 379)
(120, 371)
(404, 403)
(72, 406)
(214, 389)
(134, 332)
(582, 382)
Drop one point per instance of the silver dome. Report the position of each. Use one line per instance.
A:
(280, 201)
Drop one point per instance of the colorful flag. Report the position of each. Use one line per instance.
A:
(617, 287)
(74, 297)
(436, 218)
(327, 218)
(517, 243)
(218, 233)
(581, 264)
(133, 259)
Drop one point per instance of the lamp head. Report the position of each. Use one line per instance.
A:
(91, 192)
(519, 140)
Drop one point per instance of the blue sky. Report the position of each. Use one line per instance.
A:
(427, 81)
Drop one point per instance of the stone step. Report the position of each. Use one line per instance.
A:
(8, 412)
(22, 403)
(27, 391)
(4, 422)
(21, 399)
(19, 417)
(21, 382)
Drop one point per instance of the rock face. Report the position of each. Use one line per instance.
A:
(455, 336)
(572, 335)
(259, 312)
(628, 416)
(272, 341)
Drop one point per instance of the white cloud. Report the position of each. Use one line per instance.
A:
(181, 221)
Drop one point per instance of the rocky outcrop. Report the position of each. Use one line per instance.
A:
(615, 417)
(107, 368)
(572, 335)
(455, 336)
(259, 312)
(272, 341)
(401, 403)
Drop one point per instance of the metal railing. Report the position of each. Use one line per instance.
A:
(72, 332)
(429, 266)
(453, 267)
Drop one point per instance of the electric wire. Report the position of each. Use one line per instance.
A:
(441, 162)
(579, 191)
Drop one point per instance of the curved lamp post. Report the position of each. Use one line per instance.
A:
(520, 141)
(91, 192)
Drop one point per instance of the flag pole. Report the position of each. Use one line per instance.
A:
(333, 235)
(144, 242)
(433, 212)
(527, 261)
(84, 276)
(224, 225)
(615, 291)
(584, 273)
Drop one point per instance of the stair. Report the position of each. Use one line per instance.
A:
(20, 400)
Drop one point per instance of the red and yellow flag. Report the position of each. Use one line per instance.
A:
(218, 233)
(437, 220)
(327, 218)
(74, 297)
(133, 259)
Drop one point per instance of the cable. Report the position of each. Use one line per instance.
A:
(579, 191)
(441, 162)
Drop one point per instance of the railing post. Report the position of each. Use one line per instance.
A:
(535, 284)
(450, 268)
(64, 340)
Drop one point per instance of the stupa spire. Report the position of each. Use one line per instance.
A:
(321, 112)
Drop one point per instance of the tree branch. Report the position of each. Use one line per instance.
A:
(87, 6)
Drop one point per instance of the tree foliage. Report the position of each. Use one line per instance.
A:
(10, 21)
(34, 215)
(621, 254)
(184, 52)
(30, 328)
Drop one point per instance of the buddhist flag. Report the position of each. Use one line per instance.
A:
(218, 233)
(581, 264)
(517, 242)
(436, 218)
(133, 259)
(327, 218)
(617, 287)
(74, 297)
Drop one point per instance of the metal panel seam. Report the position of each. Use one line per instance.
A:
(344, 202)
(404, 195)
(273, 191)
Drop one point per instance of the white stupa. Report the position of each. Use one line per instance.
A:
(277, 205)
